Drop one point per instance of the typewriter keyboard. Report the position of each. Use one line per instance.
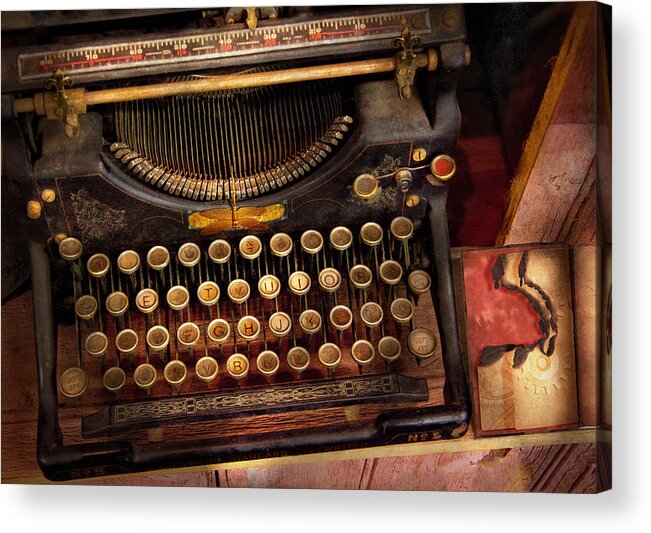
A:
(260, 324)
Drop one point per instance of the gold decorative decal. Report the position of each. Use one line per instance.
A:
(220, 219)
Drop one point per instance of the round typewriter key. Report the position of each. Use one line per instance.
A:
(158, 338)
(248, 328)
(341, 317)
(280, 324)
(219, 251)
(299, 283)
(237, 366)
(390, 272)
(73, 382)
(269, 286)
(311, 241)
(402, 310)
(188, 334)
(341, 238)
(250, 247)
(70, 249)
(175, 372)
(158, 257)
(310, 321)
(98, 265)
(329, 279)
(178, 297)
(402, 228)
(365, 186)
(419, 282)
(268, 363)
(298, 358)
(126, 341)
(117, 303)
(147, 301)
(362, 351)
(206, 369)
(443, 167)
(281, 245)
(114, 379)
(329, 355)
(238, 291)
(96, 344)
(128, 262)
(389, 348)
(422, 343)
(361, 276)
(189, 254)
(219, 330)
(371, 234)
(371, 314)
(208, 293)
(145, 376)
(86, 307)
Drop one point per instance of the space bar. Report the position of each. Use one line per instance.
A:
(379, 388)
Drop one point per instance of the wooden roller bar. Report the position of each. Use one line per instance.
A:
(427, 60)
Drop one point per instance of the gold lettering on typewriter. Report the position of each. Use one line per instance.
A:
(189, 254)
(117, 303)
(422, 343)
(371, 314)
(329, 279)
(402, 310)
(208, 293)
(73, 382)
(362, 351)
(419, 281)
(299, 283)
(310, 321)
(219, 330)
(219, 251)
(250, 247)
(147, 300)
(237, 366)
(361, 276)
(329, 355)
(280, 324)
(128, 261)
(220, 219)
(238, 291)
(280, 244)
(341, 317)
(188, 333)
(268, 362)
(298, 358)
(269, 286)
(158, 257)
(248, 327)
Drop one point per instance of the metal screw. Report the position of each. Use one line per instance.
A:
(450, 18)
(413, 200)
(34, 209)
(403, 180)
(419, 154)
(48, 195)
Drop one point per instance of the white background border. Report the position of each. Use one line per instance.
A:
(99, 509)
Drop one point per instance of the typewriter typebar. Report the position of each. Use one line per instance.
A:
(243, 254)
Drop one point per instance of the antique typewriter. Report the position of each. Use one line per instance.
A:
(237, 230)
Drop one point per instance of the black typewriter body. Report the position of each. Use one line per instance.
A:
(372, 161)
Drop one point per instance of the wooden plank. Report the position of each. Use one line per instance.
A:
(330, 475)
(586, 273)
(560, 468)
(561, 146)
